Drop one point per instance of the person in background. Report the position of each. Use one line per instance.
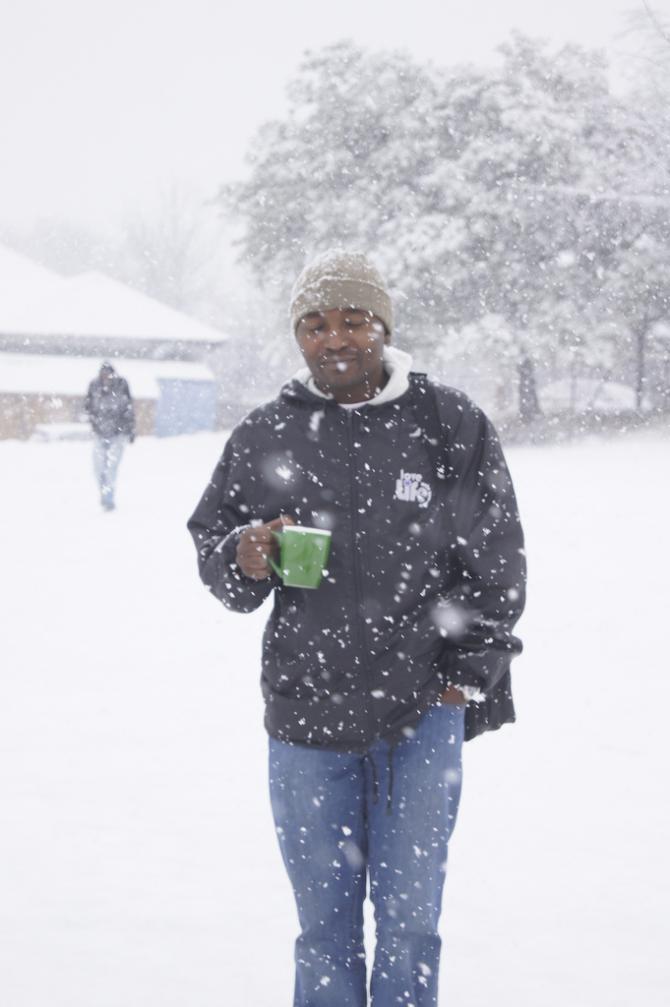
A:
(110, 411)
(373, 681)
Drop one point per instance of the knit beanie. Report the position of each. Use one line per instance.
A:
(340, 279)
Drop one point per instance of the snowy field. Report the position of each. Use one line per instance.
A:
(138, 863)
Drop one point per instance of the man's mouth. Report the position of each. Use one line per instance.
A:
(342, 362)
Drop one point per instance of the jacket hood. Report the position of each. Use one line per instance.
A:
(397, 364)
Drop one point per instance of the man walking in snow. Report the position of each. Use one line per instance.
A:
(110, 411)
(372, 681)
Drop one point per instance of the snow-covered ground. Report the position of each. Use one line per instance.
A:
(138, 863)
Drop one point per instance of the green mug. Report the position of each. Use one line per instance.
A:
(303, 554)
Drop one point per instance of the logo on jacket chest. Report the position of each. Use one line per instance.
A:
(411, 488)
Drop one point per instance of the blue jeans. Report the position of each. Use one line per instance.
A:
(388, 814)
(107, 454)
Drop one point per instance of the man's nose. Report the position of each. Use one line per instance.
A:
(337, 335)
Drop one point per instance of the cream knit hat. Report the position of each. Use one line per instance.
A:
(340, 279)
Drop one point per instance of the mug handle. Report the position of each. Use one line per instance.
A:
(271, 563)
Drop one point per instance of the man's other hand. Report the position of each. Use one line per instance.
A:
(453, 695)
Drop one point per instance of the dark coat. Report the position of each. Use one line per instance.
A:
(110, 408)
(426, 577)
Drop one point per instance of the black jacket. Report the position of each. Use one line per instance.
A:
(110, 408)
(426, 576)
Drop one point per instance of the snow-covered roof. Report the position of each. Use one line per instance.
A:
(33, 373)
(22, 281)
(35, 301)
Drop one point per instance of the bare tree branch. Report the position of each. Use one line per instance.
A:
(656, 22)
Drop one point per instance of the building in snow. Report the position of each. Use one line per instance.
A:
(55, 331)
(92, 315)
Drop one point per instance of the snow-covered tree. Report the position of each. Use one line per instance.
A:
(342, 164)
(639, 291)
(480, 193)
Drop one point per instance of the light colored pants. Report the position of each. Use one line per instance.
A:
(388, 815)
(107, 454)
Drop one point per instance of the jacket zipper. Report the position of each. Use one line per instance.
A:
(359, 628)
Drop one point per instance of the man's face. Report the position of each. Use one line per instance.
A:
(343, 348)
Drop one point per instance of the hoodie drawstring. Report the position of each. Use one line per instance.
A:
(375, 778)
(389, 793)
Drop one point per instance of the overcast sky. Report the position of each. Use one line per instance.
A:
(104, 103)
